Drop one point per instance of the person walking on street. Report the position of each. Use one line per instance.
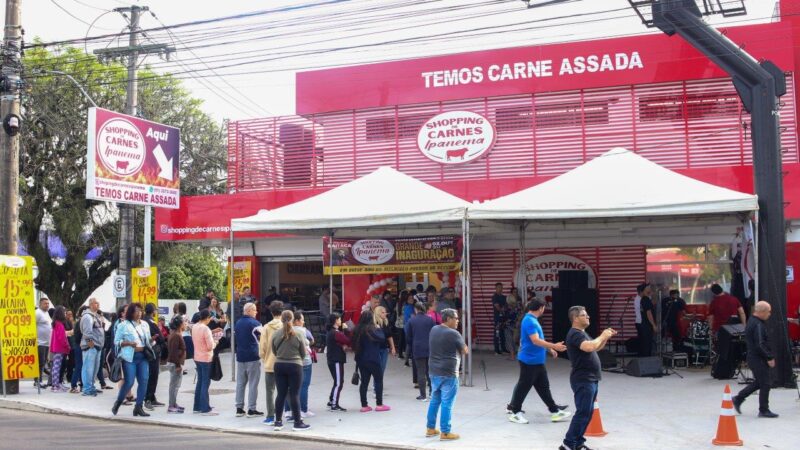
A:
(204, 344)
(248, 366)
(367, 341)
(759, 358)
(44, 328)
(92, 340)
(532, 371)
(335, 343)
(156, 343)
(289, 348)
(446, 348)
(418, 332)
(268, 358)
(59, 348)
(176, 357)
(299, 325)
(585, 375)
(131, 341)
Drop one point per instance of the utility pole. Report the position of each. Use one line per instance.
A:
(127, 213)
(9, 136)
(9, 142)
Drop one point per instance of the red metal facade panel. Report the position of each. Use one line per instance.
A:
(681, 125)
(618, 271)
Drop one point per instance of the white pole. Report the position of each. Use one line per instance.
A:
(463, 290)
(468, 302)
(230, 302)
(523, 272)
(148, 231)
(330, 277)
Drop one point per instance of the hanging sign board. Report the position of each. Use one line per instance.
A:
(18, 318)
(404, 255)
(242, 275)
(131, 160)
(144, 285)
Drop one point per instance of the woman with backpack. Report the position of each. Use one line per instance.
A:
(367, 342)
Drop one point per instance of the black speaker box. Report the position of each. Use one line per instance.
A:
(563, 299)
(644, 367)
(573, 279)
(607, 359)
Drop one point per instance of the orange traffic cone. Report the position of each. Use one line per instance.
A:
(595, 428)
(727, 434)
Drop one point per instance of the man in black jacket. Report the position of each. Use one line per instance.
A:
(759, 358)
(153, 366)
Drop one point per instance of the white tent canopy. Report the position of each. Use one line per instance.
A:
(383, 201)
(617, 184)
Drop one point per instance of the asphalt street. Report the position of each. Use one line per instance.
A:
(23, 430)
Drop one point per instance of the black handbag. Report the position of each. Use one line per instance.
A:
(115, 368)
(216, 368)
(356, 379)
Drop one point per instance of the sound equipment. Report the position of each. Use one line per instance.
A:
(645, 367)
(607, 359)
(730, 343)
(563, 299)
(573, 279)
(724, 369)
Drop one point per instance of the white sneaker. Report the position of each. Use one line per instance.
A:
(559, 416)
(307, 414)
(518, 418)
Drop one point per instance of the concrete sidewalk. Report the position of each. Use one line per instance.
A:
(638, 413)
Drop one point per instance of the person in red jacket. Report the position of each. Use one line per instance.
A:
(59, 348)
(723, 306)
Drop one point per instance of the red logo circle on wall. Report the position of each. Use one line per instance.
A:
(121, 147)
(456, 137)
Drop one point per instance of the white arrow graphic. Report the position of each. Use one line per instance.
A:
(164, 163)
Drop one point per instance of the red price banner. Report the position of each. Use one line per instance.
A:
(17, 323)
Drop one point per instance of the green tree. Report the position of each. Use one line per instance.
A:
(187, 271)
(53, 163)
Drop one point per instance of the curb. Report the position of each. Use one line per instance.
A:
(29, 407)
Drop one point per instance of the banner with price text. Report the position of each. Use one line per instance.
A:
(242, 275)
(144, 285)
(17, 318)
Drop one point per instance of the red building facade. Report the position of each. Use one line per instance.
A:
(552, 107)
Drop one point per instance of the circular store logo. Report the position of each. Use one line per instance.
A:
(144, 272)
(14, 262)
(121, 147)
(372, 251)
(456, 137)
(541, 272)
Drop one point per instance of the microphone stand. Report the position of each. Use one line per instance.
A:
(621, 326)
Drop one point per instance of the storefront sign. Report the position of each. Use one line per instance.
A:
(17, 318)
(406, 255)
(144, 285)
(541, 272)
(242, 277)
(130, 160)
(456, 137)
(564, 66)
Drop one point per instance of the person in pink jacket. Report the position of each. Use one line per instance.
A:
(59, 348)
(204, 344)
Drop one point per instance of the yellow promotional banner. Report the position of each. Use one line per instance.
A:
(144, 286)
(18, 318)
(242, 275)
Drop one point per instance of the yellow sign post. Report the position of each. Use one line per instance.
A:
(241, 275)
(144, 285)
(17, 318)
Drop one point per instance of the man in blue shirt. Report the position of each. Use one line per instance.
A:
(532, 372)
(248, 363)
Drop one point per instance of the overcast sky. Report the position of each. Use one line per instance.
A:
(245, 68)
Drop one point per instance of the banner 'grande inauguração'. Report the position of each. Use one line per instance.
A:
(404, 255)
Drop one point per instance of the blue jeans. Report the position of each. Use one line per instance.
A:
(384, 353)
(443, 393)
(585, 396)
(77, 371)
(303, 390)
(91, 363)
(201, 388)
(137, 370)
